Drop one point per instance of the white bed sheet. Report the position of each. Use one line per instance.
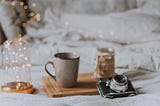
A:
(146, 83)
(139, 61)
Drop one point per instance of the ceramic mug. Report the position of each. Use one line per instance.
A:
(66, 68)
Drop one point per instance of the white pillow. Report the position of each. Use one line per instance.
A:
(7, 18)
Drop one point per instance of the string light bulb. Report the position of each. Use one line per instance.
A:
(34, 4)
(21, 3)
(13, 3)
(25, 7)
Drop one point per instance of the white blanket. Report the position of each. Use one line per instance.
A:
(146, 83)
(136, 56)
(136, 46)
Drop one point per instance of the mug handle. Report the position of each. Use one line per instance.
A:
(50, 62)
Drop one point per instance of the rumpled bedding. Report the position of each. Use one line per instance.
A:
(146, 83)
(133, 34)
(136, 42)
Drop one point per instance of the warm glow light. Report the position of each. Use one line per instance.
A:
(6, 68)
(38, 17)
(128, 42)
(31, 14)
(25, 7)
(34, 4)
(23, 66)
(19, 37)
(21, 3)
(13, 3)
(8, 42)
(24, 24)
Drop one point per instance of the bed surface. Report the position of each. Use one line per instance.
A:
(146, 83)
(136, 42)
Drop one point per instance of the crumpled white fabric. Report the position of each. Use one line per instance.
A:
(141, 100)
(83, 7)
(55, 36)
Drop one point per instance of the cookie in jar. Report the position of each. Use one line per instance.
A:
(105, 63)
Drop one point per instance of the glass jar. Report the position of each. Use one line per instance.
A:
(16, 67)
(104, 63)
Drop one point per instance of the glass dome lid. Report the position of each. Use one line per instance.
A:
(16, 66)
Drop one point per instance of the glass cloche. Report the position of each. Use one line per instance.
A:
(16, 66)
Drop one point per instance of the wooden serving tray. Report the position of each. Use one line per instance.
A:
(86, 85)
